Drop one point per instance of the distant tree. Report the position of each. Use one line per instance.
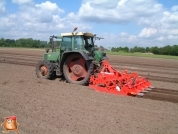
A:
(131, 50)
(2, 42)
(147, 49)
(135, 49)
(155, 50)
(174, 50)
(126, 49)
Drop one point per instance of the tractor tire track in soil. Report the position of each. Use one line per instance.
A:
(162, 95)
(171, 71)
(128, 63)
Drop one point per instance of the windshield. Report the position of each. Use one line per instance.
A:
(88, 43)
(83, 43)
(78, 43)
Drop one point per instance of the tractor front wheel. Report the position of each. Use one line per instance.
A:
(44, 70)
(77, 70)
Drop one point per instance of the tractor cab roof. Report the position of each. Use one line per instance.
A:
(78, 33)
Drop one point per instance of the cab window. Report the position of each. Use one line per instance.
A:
(78, 43)
(67, 42)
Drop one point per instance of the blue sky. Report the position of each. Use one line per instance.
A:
(120, 22)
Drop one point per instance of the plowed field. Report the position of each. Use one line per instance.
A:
(54, 106)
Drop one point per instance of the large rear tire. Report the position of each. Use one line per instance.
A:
(77, 70)
(45, 70)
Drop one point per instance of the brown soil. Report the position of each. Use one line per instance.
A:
(54, 106)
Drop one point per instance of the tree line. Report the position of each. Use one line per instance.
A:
(31, 43)
(166, 50)
(22, 42)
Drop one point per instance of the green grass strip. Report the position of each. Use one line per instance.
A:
(143, 55)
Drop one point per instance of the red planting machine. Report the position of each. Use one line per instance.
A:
(110, 80)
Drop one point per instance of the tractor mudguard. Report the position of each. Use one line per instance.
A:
(66, 53)
(83, 53)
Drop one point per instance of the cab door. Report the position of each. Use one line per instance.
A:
(66, 44)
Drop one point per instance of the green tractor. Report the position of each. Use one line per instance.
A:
(75, 57)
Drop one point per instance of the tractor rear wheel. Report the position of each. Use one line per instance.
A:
(77, 70)
(44, 70)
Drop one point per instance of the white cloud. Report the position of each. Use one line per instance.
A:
(125, 37)
(38, 21)
(172, 37)
(117, 11)
(117, 40)
(39, 13)
(148, 32)
(2, 6)
(160, 38)
(122, 2)
(174, 31)
(159, 24)
(21, 2)
(174, 8)
(49, 7)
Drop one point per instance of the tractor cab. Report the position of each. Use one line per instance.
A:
(77, 41)
(70, 42)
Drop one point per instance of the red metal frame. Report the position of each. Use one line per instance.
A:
(112, 81)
